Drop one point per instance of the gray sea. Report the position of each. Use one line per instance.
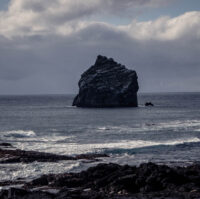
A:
(168, 133)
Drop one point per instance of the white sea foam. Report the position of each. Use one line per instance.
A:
(51, 143)
(104, 128)
(173, 125)
(54, 143)
(53, 138)
(180, 124)
(30, 171)
(127, 144)
(14, 171)
(17, 133)
(76, 148)
(35, 169)
(21, 135)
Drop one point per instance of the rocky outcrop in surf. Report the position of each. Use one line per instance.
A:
(107, 84)
(149, 104)
(8, 154)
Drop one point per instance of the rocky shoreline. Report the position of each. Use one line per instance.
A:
(146, 181)
(8, 154)
(114, 181)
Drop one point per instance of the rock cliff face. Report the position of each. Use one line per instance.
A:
(107, 84)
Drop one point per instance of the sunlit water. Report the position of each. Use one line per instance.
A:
(167, 133)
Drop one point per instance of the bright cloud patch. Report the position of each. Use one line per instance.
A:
(28, 17)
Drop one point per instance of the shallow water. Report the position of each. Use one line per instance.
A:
(167, 133)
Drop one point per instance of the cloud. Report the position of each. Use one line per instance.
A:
(166, 28)
(27, 17)
(44, 47)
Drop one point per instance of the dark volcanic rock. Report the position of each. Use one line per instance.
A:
(149, 104)
(14, 193)
(16, 156)
(4, 144)
(117, 182)
(107, 84)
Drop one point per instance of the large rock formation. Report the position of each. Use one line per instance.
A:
(107, 84)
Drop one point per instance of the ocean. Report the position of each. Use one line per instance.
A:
(168, 133)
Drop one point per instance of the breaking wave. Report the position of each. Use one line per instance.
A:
(173, 125)
(18, 134)
(126, 144)
(75, 148)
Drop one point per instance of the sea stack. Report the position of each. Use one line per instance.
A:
(107, 84)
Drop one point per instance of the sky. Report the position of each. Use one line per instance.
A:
(46, 45)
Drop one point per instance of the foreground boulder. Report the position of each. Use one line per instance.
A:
(112, 181)
(107, 84)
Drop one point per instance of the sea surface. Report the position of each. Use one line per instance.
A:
(168, 133)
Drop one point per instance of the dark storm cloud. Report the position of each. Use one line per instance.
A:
(38, 57)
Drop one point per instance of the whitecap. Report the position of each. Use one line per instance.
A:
(18, 133)
(180, 124)
(76, 148)
(171, 125)
(127, 144)
(103, 128)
